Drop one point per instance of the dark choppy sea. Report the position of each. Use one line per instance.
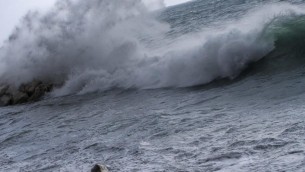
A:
(252, 118)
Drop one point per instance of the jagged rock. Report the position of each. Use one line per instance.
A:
(40, 91)
(3, 90)
(5, 100)
(28, 92)
(29, 88)
(99, 168)
(20, 97)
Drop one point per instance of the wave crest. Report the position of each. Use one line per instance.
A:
(98, 45)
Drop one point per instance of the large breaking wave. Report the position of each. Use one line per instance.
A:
(97, 45)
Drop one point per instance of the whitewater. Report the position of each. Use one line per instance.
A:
(201, 86)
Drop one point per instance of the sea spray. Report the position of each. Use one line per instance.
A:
(98, 45)
(76, 36)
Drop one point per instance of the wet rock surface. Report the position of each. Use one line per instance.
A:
(99, 168)
(29, 92)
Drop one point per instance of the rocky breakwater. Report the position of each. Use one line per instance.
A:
(29, 92)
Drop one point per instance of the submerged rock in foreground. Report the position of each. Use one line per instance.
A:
(99, 168)
(29, 92)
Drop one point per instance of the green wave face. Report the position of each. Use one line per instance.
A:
(289, 34)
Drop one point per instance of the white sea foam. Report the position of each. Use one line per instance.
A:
(97, 45)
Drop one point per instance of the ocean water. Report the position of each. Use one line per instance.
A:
(204, 86)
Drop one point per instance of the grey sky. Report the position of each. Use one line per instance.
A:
(11, 12)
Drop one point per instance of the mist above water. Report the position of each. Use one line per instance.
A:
(97, 45)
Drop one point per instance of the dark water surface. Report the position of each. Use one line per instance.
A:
(255, 122)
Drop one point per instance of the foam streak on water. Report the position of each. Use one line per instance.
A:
(254, 125)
